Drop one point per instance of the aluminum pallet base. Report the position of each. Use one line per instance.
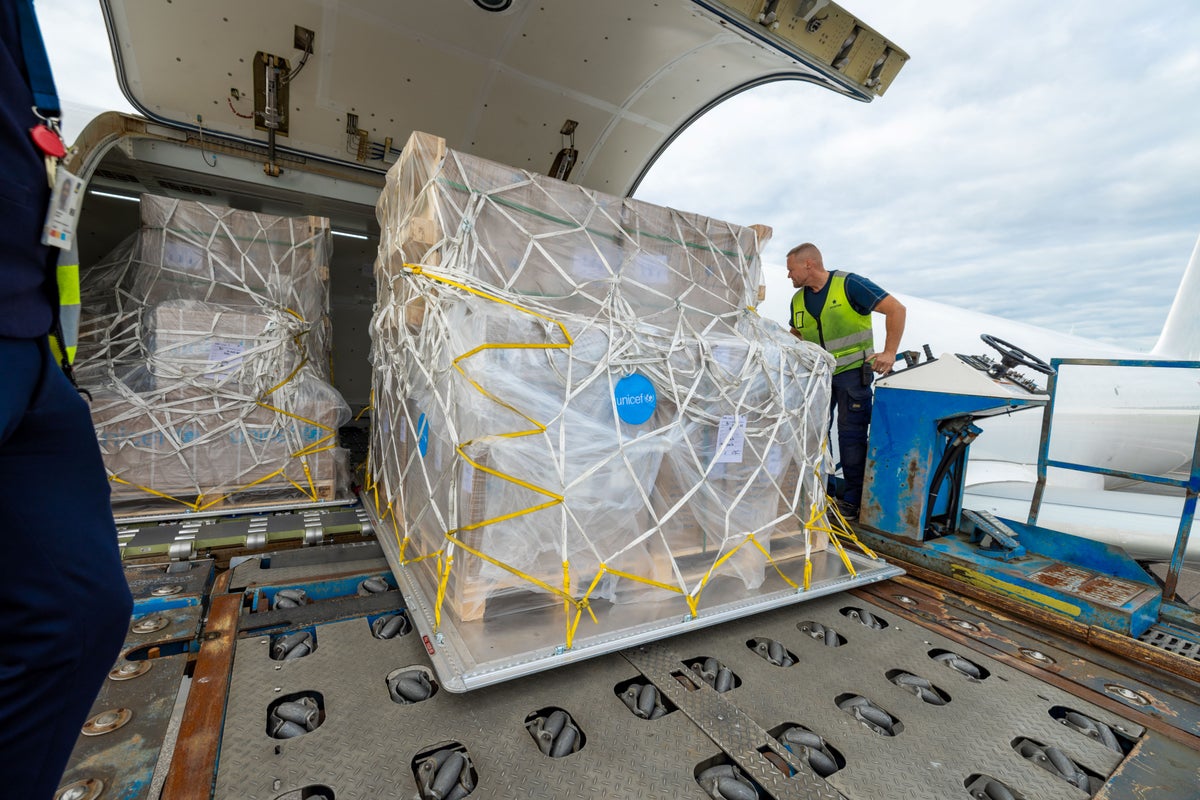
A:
(469, 655)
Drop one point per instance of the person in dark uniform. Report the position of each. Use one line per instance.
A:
(833, 309)
(64, 602)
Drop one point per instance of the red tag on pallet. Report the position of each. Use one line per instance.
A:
(48, 142)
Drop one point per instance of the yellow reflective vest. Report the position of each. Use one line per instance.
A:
(840, 329)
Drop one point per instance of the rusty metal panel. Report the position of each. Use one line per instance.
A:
(1089, 585)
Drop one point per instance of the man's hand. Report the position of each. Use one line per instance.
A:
(893, 317)
(882, 363)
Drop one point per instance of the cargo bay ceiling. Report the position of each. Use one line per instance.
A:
(348, 80)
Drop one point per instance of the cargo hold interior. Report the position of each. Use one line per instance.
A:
(171, 166)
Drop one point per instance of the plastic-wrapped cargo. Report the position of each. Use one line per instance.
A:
(578, 415)
(205, 345)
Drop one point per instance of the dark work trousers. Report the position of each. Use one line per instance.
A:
(850, 406)
(64, 601)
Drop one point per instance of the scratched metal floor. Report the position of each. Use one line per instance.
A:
(366, 744)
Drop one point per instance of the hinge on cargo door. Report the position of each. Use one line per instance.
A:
(270, 93)
(564, 162)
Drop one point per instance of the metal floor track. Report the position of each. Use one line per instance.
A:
(364, 746)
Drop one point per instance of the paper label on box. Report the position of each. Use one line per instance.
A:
(468, 477)
(650, 269)
(588, 266)
(226, 354)
(182, 254)
(733, 433)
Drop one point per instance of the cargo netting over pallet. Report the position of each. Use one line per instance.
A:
(205, 346)
(581, 426)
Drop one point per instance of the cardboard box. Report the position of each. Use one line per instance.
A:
(190, 443)
(509, 370)
(204, 344)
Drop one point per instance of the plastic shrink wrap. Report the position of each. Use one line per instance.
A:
(205, 346)
(575, 401)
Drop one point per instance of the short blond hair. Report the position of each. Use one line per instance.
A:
(802, 248)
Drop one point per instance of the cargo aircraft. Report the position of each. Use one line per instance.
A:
(265, 107)
(299, 107)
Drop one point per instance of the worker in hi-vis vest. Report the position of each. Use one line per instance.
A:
(833, 310)
(65, 600)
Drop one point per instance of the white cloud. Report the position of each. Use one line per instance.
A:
(1030, 161)
(1033, 161)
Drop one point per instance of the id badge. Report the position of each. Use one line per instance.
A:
(63, 215)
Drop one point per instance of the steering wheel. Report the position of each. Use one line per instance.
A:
(1011, 355)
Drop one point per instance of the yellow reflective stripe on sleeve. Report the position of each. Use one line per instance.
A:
(68, 284)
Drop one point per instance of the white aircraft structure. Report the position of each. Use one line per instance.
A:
(1132, 419)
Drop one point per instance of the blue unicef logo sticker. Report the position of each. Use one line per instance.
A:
(635, 398)
(422, 434)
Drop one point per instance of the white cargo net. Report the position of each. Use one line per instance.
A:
(575, 401)
(205, 347)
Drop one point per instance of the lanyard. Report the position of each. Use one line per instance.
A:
(37, 64)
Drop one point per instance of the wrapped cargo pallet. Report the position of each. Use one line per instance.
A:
(205, 345)
(577, 411)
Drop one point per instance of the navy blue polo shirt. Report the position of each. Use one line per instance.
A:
(28, 292)
(862, 293)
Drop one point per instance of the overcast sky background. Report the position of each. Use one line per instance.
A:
(1038, 161)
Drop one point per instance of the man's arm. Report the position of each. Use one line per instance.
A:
(893, 319)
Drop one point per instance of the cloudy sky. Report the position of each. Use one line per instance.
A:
(1038, 161)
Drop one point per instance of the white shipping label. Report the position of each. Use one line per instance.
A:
(733, 433)
(226, 354)
(468, 477)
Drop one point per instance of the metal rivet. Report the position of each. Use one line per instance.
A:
(106, 721)
(962, 624)
(1036, 655)
(130, 669)
(905, 599)
(1129, 695)
(165, 591)
(88, 789)
(150, 624)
